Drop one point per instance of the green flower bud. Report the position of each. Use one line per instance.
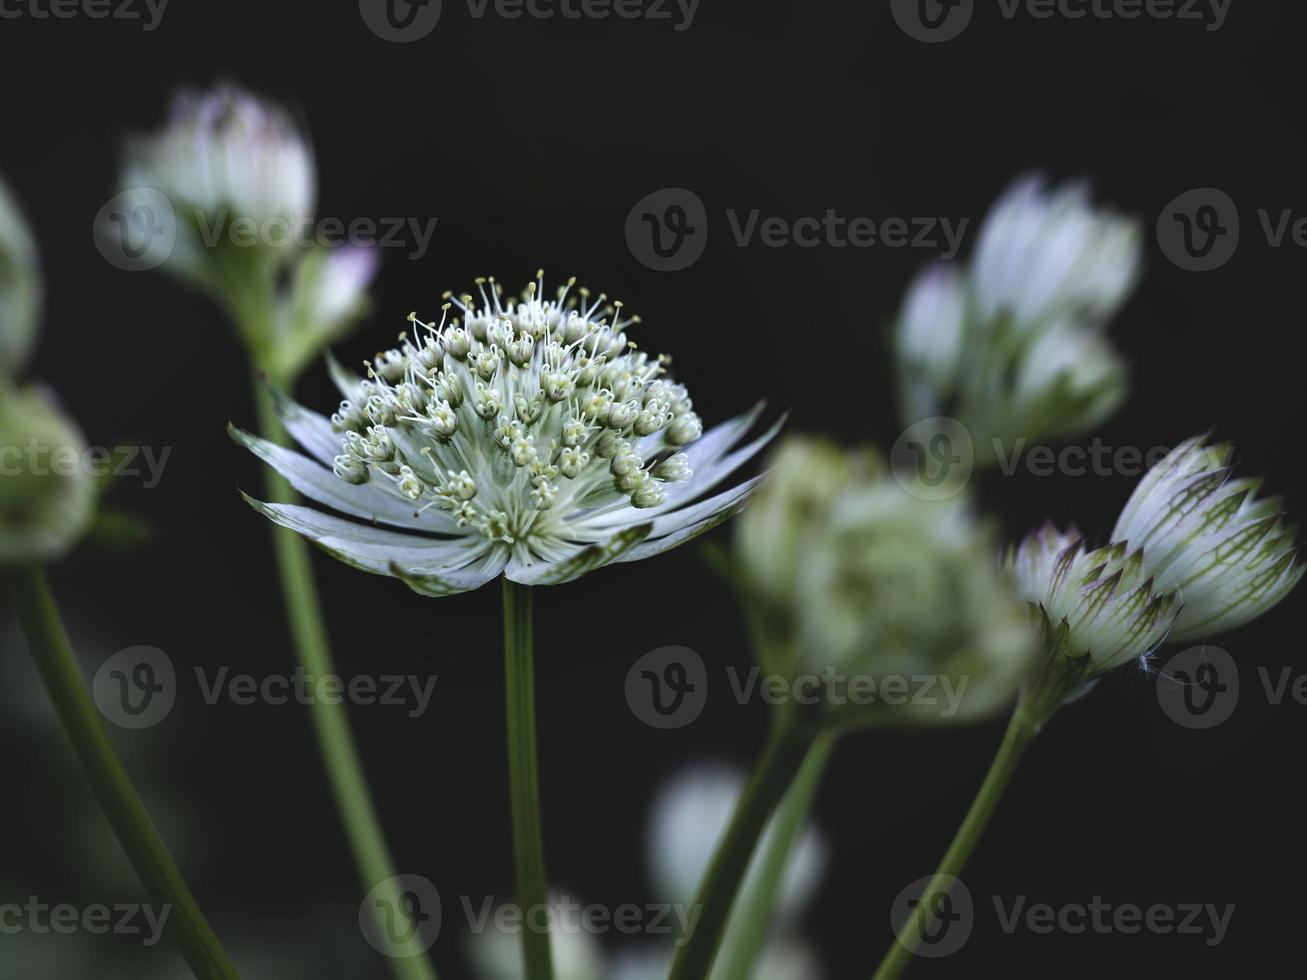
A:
(874, 596)
(47, 496)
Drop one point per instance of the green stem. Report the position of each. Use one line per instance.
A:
(524, 782)
(751, 923)
(1021, 731)
(780, 760)
(331, 721)
(112, 786)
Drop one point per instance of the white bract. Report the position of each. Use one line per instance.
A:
(20, 287)
(1013, 345)
(1044, 255)
(1231, 554)
(527, 438)
(1102, 604)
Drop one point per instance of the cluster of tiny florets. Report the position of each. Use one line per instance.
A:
(512, 415)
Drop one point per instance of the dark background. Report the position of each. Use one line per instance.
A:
(530, 141)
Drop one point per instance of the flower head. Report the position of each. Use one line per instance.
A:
(47, 497)
(529, 438)
(1100, 607)
(845, 572)
(1231, 554)
(1012, 346)
(228, 154)
(20, 288)
(1044, 255)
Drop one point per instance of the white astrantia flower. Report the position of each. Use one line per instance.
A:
(228, 155)
(1013, 346)
(47, 495)
(20, 287)
(1102, 608)
(847, 575)
(1044, 255)
(1232, 554)
(688, 820)
(528, 438)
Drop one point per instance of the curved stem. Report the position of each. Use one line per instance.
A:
(112, 786)
(751, 923)
(1021, 731)
(785, 751)
(524, 782)
(331, 721)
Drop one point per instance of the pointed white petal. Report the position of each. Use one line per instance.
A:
(585, 559)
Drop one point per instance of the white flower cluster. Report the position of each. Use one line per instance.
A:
(1013, 346)
(494, 417)
(525, 434)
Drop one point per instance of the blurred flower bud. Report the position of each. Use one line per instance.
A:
(328, 297)
(20, 288)
(1013, 346)
(1044, 255)
(226, 156)
(688, 819)
(47, 494)
(849, 577)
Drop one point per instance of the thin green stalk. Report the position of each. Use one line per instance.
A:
(524, 782)
(751, 923)
(1021, 730)
(780, 761)
(331, 721)
(109, 780)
